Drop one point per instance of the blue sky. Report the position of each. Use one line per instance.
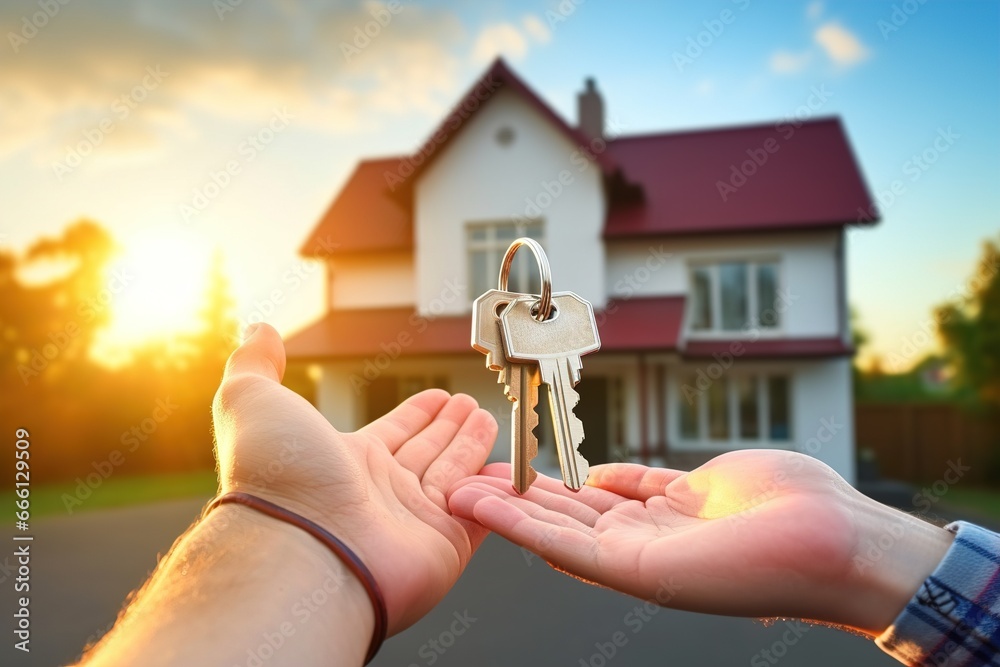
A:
(227, 76)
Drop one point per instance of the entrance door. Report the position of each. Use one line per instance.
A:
(593, 410)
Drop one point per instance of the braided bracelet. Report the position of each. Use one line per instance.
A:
(341, 550)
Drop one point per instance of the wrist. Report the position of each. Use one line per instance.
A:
(894, 553)
(321, 597)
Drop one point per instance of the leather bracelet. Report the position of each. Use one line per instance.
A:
(341, 550)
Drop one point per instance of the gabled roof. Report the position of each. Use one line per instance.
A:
(753, 178)
(671, 183)
(363, 217)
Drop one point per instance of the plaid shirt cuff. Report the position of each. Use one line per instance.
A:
(954, 619)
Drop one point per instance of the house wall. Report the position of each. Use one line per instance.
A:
(808, 272)
(477, 180)
(372, 280)
(821, 407)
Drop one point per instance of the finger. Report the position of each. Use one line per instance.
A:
(408, 418)
(568, 506)
(463, 456)
(567, 548)
(600, 499)
(632, 480)
(537, 510)
(417, 453)
(262, 353)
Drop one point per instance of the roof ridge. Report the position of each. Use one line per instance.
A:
(819, 120)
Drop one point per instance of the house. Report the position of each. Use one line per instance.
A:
(714, 259)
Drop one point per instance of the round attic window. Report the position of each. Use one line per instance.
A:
(505, 136)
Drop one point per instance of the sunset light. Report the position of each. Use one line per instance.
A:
(154, 289)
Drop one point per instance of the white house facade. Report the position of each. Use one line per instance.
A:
(714, 260)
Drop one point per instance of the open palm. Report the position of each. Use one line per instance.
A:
(750, 533)
(380, 489)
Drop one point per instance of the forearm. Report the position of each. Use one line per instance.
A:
(237, 585)
(894, 553)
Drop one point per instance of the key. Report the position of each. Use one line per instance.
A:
(557, 346)
(521, 382)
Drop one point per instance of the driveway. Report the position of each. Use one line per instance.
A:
(514, 609)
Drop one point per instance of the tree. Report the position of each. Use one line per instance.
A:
(219, 335)
(970, 329)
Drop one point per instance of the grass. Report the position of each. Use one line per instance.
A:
(56, 499)
(983, 501)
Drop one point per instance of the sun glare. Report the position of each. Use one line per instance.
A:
(154, 290)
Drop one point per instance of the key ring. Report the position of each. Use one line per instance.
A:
(545, 301)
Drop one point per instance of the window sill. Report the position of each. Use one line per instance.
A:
(729, 445)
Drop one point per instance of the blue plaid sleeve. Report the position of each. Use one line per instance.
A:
(954, 619)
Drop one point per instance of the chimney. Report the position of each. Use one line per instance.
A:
(590, 111)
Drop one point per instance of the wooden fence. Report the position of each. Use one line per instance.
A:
(916, 442)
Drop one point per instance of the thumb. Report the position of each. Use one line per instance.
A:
(261, 353)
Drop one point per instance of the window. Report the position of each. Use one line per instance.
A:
(741, 408)
(731, 296)
(487, 243)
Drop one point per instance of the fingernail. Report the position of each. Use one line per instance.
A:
(249, 331)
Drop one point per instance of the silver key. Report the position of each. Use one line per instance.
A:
(521, 382)
(556, 345)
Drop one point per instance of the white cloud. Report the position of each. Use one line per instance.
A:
(536, 28)
(814, 9)
(840, 45)
(705, 87)
(499, 39)
(787, 62)
(258, 58)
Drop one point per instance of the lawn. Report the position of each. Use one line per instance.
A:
(983, 501)
(67, 498)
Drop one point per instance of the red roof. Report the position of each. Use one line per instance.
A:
(658, 184)
(363, 217)
(808, 179)
(632, 325)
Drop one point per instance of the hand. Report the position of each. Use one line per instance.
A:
(381, 489)
(750, 533)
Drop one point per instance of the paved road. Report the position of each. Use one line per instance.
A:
(516, 610)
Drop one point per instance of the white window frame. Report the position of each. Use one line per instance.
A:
(495, 248)
(752, 328)
(734, 441)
